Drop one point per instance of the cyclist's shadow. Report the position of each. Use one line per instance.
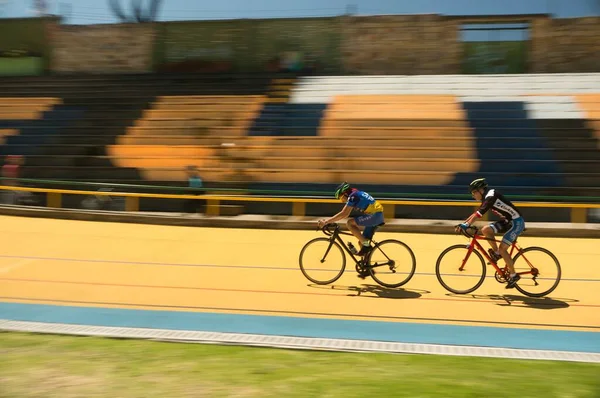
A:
(375, 291)
(542, 303)
(505, 300)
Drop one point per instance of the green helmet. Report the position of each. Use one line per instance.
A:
(477, 184)
(341, 189)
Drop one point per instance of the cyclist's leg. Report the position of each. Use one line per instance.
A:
(372, 225)
(353, 226)
(517, 227)
(370, 222)
(489, 232)
(369, 232)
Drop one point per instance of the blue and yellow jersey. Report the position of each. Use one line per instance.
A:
(363, 202)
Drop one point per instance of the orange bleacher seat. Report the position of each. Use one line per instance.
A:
(161, 156)
(195, 113)
(179, 163)
(171, 114)
(329, 176)
(217, 121)
(23, 108)
(158, 150)
(368, 163)
(385, 99)
(29, 101)
(590, 104)
(19, 114)
(173, 121)
(180, 174)
(403, 139)
(209, 99)
(376, 112)
(374, 124)
(5, 133)
(397, 132)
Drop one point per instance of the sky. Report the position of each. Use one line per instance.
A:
(97, 11)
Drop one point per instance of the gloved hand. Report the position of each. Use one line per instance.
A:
(462, 226)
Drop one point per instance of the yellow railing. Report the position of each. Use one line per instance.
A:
(54, 199)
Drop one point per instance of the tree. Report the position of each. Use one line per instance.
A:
(139, 14)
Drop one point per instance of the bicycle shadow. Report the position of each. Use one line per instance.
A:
(375, 291)
(507, 300)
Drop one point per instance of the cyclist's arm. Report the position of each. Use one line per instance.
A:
(472, 218)
(485, 206)
(344, 213)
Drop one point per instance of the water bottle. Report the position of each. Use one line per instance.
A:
(352, 248)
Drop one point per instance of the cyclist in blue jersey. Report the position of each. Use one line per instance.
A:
(371, 217)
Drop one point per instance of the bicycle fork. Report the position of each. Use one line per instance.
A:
(331, 240)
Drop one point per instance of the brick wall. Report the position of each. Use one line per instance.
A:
(122, 48)
(565, 45)
(413, 44)
(395, 44)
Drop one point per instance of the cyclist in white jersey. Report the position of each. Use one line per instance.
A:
(511, 224)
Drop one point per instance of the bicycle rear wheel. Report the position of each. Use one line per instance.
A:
(540, 271)
(452, 277)
(322, 261)
(391, 263)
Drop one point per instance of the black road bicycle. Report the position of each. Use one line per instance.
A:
(390, 263)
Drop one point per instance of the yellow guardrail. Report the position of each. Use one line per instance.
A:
(54, 199)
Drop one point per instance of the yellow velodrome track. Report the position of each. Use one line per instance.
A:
(78, 263)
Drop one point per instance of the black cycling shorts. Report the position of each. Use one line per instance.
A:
(501, 226)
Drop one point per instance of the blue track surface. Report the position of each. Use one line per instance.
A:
(308, 327)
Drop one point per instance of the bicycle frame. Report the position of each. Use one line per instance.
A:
(476, 237)
(335, 236)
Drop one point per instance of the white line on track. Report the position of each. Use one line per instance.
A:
(15, 265)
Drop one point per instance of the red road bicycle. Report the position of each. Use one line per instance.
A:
(461, 269)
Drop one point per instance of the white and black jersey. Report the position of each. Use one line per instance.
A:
(496, 202)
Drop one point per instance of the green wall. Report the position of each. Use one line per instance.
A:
(28, 36)
(489, 57)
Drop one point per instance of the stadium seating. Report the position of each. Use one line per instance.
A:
(590, 105)
(172, 118)
(22, 118)
(103, 108)
(526, 133)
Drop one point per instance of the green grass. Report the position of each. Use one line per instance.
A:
(64, 366)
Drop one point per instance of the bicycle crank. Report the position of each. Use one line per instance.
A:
(363, 272)
(535, 272)
(501, 278)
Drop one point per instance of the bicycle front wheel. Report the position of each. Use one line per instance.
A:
(322, 261)
(392, 263)
(459, 270)
(540, 271)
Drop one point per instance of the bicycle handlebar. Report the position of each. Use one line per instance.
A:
(329, 229)
(333, 228)
(466, 233)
